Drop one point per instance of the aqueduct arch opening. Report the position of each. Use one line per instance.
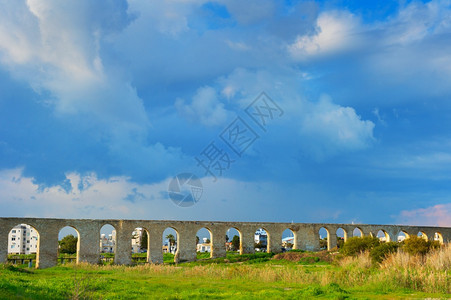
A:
(234, 240)
(324, 238)
(24, 239)
(170, 244)
(438, 237)
(401, 236)
(262, 240)
(289, 239)
(383, 236)
(357, 232)
(204, 242)
(422, 235)
(68, 245)
(140, 245)
(342, 237)
(107, 243)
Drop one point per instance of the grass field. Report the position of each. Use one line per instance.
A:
(293, 275)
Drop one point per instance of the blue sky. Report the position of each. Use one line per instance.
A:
(102, 104)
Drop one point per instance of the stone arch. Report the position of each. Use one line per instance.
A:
(171, 238)
(357, 232)
(68, 230)
(438, 237)
(140, 243)
(423, 235)
(262, 238)
(402, 235)
(24, 239)
(205, 244)
(324, 238)
(229, 246)
(383, 235)
(289, 237)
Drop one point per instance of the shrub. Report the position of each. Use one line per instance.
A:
(381, 251)
(296, 250)
(415, 245)
(356, 245)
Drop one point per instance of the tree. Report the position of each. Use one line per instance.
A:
(415, 245)
(356, 245)
(68, 244)
(236, 243)
(227, 238)
(380, 252)
(171, 239)
(207, 241)
(144, 240)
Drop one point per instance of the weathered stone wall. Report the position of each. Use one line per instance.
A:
(306, 236)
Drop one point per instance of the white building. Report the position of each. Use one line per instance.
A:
(23, 239)
(204, 247)
(108, 243)
(136, 239)
(261, 237)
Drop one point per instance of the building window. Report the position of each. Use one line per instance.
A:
(14, 231)
(13, 239)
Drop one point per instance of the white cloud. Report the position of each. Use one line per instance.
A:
(56, 47)
(329, 128)
(86, 196)
(335, 31)
(205, 107)
(417, 21)
(83, 196)
(437, 215)
(325, 128)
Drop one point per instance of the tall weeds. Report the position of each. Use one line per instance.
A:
(429, 273)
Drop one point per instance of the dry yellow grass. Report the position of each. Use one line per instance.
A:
(430, 273)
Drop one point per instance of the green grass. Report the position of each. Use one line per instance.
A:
(295, 275)
(259, 279)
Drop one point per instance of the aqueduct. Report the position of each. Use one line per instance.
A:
(305, 236)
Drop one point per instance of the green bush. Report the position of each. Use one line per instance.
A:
(296, 250)
(379, 252)
(22, 256)
(356, 245)
(415, 245)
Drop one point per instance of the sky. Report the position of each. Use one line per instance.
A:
(327, 111)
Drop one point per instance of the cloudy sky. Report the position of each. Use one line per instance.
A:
(102, 103)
